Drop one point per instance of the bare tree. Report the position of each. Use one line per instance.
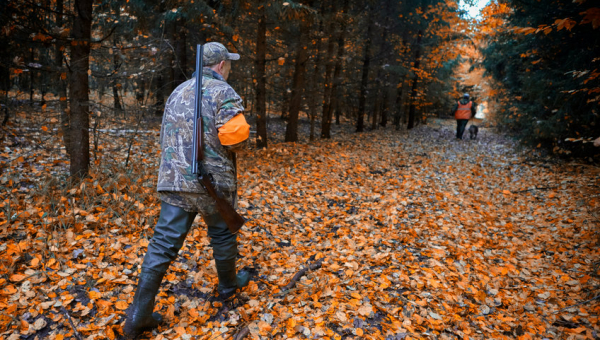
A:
(79, 122)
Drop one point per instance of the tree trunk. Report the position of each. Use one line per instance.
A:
(79, 89)
(116, 98)
(378, 115)
(116, 65)
(4, 86)
(62, 82)
(285, 97)
(261, 79)
(5, 82)
(31, 72)
(325, 119)
(180, 55)
(376, 109)
(160, 86)
(412, 108)
(360, 122)
(140, 92)
(115, 87)
(384, 105)
(291, 132)
(398, 104)
(337, 108)
(413, 95)
(337, 79)
(312, 95)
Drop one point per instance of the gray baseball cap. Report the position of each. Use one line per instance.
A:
(215, 52)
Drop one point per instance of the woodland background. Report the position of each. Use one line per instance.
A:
(105, 63)
(349, 103)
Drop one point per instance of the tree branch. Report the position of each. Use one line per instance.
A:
(77, 335)
(242, 334)
(579, 304)
(106, 37)
(301, 273)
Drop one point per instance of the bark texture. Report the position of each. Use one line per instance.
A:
(360, 122)
(261, 79)
(79, 89)
(413, 94)
(291, 132)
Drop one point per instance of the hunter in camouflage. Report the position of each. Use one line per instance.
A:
(220, 103)
(182, 197)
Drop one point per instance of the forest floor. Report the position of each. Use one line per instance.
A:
(406, 235)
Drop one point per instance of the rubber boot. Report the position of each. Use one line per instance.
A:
(140, 316)
(225, 252)
(169, 234)
(229, 280)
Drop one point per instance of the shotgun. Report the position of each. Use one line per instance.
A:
(231, 217)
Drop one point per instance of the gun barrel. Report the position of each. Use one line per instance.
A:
(197, 154)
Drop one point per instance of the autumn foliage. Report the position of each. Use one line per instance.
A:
(397, 232)
(545, 59)
(413, 240)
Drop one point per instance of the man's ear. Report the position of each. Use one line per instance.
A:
(222, 64)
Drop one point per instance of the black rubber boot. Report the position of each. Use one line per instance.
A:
(229, 280)
(169, 234)
(225, 252)
(139, 315)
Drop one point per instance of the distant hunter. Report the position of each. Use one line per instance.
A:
(463, 111)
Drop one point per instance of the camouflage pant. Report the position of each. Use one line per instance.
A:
(194, 202)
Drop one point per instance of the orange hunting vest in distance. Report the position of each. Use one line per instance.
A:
(463, 111)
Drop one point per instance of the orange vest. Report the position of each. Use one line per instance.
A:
(463, 111)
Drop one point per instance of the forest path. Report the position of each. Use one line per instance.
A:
(409, 234)
(423, 234)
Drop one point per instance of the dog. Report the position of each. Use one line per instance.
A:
(473, 130)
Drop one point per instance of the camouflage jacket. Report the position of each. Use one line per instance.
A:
(220, 103)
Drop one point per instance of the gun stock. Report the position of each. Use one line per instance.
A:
(231, 217)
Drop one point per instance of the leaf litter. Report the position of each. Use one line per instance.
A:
(381, 235)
